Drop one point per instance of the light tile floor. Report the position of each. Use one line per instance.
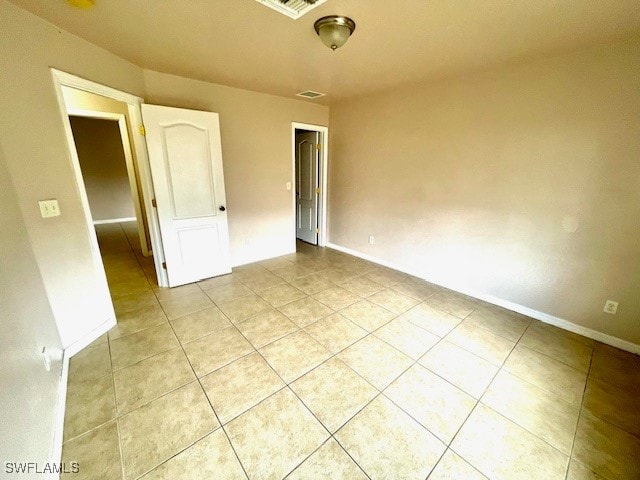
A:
(318, 365)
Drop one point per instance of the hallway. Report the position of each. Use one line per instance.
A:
(322, 365)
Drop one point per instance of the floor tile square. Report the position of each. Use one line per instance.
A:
(163, 294)
(198, 324)
(294, 271)
(558, 344)
(216, 350)
(407, 337)
(367, 315)
(388, 444)
(606, 449)
(313, 283)
(294, 355)
(137, 320)
(336, 297)
(439, 406)
(375, 360)
(157, 431)
(362, 286)
(481, 342)
(262, 281)
(91, 363)
(275, 436)
(244, 307)
(281, 295)
(615, 366)
(235, 388)
(134, 301)
(542, 413)
(334, 393)
(131, 349)
(546, 373)
(465, 370)
(305, 311)
(266, 327)
(97, 454)
(431, 319)
(502, 450)
(617, 405)
(227, 292)
(393, 301)
(453, 303)
(577, 471)
(385, 276)
(144, 381)
(184, 305)
(453, 467)
(418, 289)
(335, 332)
(505, 323)
(212, 457)
(329, 462)
(89, 404)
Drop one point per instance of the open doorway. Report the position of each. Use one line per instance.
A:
(110, 181)
(309, 182)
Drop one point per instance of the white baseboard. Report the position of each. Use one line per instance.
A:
(88, 338)
(115, 220)
(529, 312)
(58, 426)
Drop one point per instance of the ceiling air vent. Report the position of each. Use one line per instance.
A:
(310, 94)
(292, 8)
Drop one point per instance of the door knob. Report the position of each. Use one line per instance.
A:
(222, 209)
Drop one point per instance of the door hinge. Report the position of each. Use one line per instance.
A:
(164, 265)
(318, 190)
(153, 202)
(143, 131)
(317, 230)
(318, 146)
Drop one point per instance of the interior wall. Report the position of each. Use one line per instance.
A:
(29, 392)
(257, 157)
(520, 182)
(104, 168)
(33, 138)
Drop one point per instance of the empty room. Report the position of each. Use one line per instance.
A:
(320, 239)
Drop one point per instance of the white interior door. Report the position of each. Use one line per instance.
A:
(185, 157)
(307, 165)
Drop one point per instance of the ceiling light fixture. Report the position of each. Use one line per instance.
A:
(334, 30)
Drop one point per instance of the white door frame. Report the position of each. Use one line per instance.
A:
(133, 102)
(324, 160)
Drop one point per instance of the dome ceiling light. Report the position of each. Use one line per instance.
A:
(334, 30)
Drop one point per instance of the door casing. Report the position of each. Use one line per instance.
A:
(322, 200)
(139, 146)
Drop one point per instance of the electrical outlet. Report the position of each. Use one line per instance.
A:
(289, 186)
(372, 240)
(611, 307)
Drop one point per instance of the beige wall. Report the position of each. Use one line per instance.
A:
(104, 168)
(33, 139)
(29, 393)
(521, 182)
(257, 156)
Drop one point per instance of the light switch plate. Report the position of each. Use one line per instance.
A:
(49, 208)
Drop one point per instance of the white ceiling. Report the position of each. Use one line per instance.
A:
(244, 44)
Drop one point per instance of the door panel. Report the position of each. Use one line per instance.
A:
(186, 168)
(307, 166)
